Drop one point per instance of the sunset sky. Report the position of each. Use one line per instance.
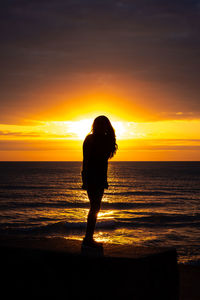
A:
(64, 62)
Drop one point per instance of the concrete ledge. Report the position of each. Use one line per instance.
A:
(58, 267)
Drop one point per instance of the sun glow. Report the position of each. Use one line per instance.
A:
(66, 130)
(62, 140)
(79, 128)
(83, 127)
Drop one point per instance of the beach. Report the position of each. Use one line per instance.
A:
(53, 266)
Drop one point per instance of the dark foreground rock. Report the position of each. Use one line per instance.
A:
(63, 269)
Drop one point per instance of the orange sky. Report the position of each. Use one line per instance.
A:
(63, 63)
(61, 139)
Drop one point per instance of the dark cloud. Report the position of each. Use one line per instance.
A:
(46, 42)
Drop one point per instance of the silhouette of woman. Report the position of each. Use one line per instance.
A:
(98, 147)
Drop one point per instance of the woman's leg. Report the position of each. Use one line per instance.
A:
(95, 197)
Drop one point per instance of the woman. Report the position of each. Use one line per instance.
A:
(98, 147)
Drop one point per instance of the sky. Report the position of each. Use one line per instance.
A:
(65, 62)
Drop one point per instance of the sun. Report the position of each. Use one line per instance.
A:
(80, 128)
(83, 127)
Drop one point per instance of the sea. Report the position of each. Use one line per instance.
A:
(151, 204)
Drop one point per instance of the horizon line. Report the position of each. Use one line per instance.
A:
(113, 161)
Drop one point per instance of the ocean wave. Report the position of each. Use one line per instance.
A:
(161, 220)
(39, 187)
(61, 227)
(77, 204)
(27, 187)
(142, 193)
(45, 204)
(64, 227)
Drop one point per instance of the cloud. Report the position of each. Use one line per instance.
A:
(40, 130)
(36, 135)
(19, 134)
(74, 145)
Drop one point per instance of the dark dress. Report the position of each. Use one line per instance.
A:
(95, 162)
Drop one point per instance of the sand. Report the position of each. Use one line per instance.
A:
(43, 267)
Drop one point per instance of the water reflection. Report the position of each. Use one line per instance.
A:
(125, 236)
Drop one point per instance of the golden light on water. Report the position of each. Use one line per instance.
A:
(108, 214)
(120, 236)
(125, 236)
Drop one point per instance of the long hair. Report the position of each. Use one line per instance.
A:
(102, 125)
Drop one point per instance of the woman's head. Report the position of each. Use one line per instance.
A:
(102, 125)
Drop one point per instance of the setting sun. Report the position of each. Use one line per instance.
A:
(79, 128)
(83, 127)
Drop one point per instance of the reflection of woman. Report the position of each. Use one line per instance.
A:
(98, 147)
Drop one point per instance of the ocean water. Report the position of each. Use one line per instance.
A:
(147, 203)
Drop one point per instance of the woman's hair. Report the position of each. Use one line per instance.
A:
(102, 125)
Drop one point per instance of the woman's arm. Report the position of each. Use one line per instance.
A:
(87, 145)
